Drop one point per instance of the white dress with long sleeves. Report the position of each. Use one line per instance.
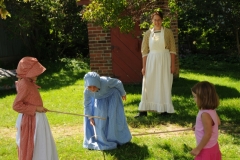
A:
(158, 79)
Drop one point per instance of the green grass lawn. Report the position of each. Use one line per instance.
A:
(62, 90)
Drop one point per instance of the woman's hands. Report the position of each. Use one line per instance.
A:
(41, 109)
(92, 121)
(124, 97)
(173, 68)
(144, 61)
(143, 71)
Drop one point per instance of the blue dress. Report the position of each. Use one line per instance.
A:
(107, 103)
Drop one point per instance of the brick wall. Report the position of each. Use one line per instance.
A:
(100, 45)
(100, 50)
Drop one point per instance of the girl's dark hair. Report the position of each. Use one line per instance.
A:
(207, 97)
(159, 13)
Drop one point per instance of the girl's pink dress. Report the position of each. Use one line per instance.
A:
(211, 151)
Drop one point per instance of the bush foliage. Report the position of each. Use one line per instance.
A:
(49, 29)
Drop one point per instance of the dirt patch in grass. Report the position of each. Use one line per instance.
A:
(8, 132)
(62, 131)
(169, 130)
(57, 131)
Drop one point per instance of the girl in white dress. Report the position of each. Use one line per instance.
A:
(158, 52)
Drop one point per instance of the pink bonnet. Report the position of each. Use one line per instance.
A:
(29, 67)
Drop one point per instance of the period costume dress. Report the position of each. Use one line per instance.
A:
(106, 103)
(158, 79)
(34, 138)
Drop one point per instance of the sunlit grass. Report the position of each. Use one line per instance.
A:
(8, 149)
(62, 90)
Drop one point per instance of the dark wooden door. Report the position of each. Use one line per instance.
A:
(126, 56)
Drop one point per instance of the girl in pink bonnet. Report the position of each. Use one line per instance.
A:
(34, 138)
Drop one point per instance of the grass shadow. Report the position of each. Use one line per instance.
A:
(129, 151)
(184, 105)
(179, 153)
(211, 65)
(7, 86)
(9, 92)
(182, 87)
(57, 76)
(133, 88)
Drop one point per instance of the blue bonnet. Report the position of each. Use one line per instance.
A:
(92, 79)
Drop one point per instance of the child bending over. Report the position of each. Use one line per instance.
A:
(103, 97)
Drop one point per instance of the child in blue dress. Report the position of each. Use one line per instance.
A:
(103, 97)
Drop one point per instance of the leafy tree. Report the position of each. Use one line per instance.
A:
(125, 13)
(3, 11)
(49, 29)
(209, 26)
(106, 13)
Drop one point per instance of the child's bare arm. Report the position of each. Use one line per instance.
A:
(207, 125)
(219, 122)
(193, 127)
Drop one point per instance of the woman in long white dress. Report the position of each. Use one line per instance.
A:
(158, 54)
